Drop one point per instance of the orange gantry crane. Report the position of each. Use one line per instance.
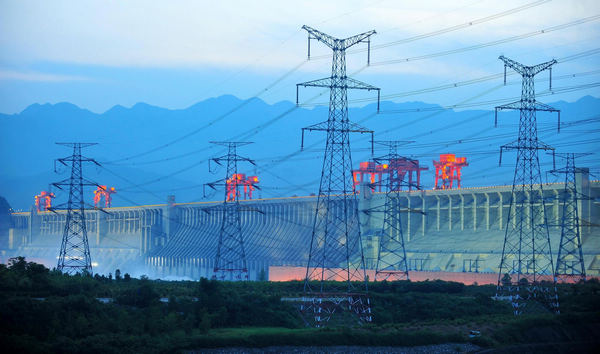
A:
(43, 201)
(448, 170)
(104, 191)
(239, 179)
(397, 169)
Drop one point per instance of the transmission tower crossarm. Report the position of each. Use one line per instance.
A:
(543, 146)
(350, 41)
(355, 128)
(543, 66)
(325, 82)
(323, 126)
(515, 146)
(512, 105)
(66, 182)
(359, 85)
(82, 145)
(518, 105)
(335, 43)
(228, 143)
(328, 82)
(321, 37)
(518, 67)
(539, 106)
(83, 159)
(236, 158)
(527, 70)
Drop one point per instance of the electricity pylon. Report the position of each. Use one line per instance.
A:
(230, 262)
(336, 250)
(526, 272)
(74, 256)
(569, 264)
(391, 256)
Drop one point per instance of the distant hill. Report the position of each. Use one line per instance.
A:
(180, 167)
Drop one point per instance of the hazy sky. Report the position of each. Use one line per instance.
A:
(174, 53)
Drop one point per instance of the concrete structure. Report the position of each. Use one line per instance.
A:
(459, 230)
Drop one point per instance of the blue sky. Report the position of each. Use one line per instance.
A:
(97, 54)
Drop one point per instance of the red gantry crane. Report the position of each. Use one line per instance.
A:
(44, 200)
(237, 180)
(103, 191)
(448, 169)
(398, 168)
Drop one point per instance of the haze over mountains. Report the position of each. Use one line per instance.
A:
(180, 166)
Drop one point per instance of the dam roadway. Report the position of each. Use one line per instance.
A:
(446, 232)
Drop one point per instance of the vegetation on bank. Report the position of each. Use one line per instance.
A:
(46, 311)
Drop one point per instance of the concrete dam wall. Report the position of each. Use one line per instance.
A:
(458, 230)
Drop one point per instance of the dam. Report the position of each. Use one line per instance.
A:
(451, 230)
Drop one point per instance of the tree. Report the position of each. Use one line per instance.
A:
(17, 264)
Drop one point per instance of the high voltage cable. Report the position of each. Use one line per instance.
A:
(487, 138)
(464, 104)
(288, 157)
(508, 12)
(241, 105)
(463, 25)
(434, 114)
(492, 102)
(546, 130)
(491, 154)
(214, 121)
(489, 44)
(448, 29)
(482, 79)
(445, 143)
(504, 135)
(471, 82)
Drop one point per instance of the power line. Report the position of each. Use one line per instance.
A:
(449, 29)
(491, 43)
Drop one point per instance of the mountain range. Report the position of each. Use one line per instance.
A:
(148, 152)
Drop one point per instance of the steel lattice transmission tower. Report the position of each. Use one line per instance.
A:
(336, 250)
(526, 272)
(230, 262)
(74, 254)
(569, 265)
(392, 263)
